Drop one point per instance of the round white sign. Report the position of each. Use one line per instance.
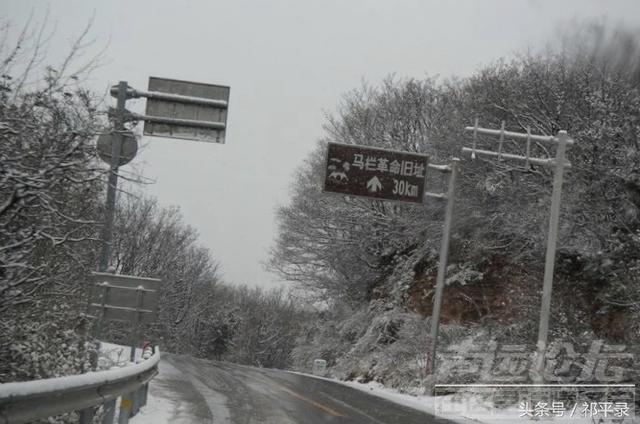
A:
(127, 152)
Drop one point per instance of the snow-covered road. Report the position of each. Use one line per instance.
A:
(189, 390)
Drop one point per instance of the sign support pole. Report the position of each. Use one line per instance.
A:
(107, 233)
(136, 324)
(554, 218)
(560, 163)
(442, 267)
(107, 230)
(110, 205)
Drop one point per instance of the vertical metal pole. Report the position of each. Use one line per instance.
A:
(86, 415)
(475, 139)
(552, 237)
(109, 410)
(501, 141)
(126, 404)
(97, 332)
(526, 163)
(136, 323)
(110, 205)
(442, 266)
(116, 148)
(136, 402)
(145, 394)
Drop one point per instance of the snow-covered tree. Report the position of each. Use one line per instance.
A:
(49, 177)
(367, 251)
(50, 197)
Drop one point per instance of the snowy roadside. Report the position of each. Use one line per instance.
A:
(171, 395)
(454, 408)
(421, 403)
(114, 355)
(159, 407)
(172, 399)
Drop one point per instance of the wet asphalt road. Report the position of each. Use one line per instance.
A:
(230, 393)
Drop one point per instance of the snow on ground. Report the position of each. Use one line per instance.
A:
(112, 355)
(159, 408)
(454, 410)
(171, 400)
(168, 399)
(169, 391)
(162, 406)
(91, 378)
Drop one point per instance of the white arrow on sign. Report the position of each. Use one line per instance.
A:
(374, 185)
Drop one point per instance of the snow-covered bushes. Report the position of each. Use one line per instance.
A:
(51, 192)
(50, 200)
(112, 356)
(47, 344)
(328, 336)
(377, 342)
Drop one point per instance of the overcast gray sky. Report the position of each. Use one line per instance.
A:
(287, 62)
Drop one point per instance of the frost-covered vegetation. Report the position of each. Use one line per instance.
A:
(51, 214)
(366, 268)
(374, 263)
(49, 207)
(199, 314)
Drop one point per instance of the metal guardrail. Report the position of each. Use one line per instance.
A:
(27, 401)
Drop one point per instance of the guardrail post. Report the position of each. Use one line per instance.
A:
(126, 405)
(136, 402)
(86, 415)
(145, 394)
(109, 410)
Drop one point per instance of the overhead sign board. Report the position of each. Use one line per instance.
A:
(376, 173)
(125, 297)
(126, 280)
(181, 115)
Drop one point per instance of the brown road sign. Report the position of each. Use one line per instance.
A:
(378, 173)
